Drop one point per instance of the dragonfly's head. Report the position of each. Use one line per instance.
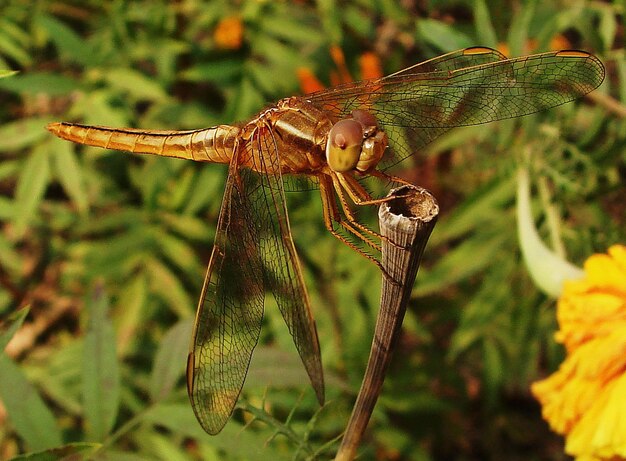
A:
(355, 143)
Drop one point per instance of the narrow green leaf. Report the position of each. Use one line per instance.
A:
(162, 446)
(485, 32)
(135, 83)
(11, 259)
(23, 133)
(331, 20)
(73, 451)
(165, 283)
(441, 35)
(101, 383)
(12, 324)
(222, 71)
(130, 304)
(31, 187)
(188, 226)
(241, 444)
(460, 263)
(40, 83)
(607, 27)
(271, 366)
(170, 359)
(70, 45)
(28, 414)
(493, 368)
(481, 207)
(7, 73)
(518, 30)
(13, 50)
(69, 173)
(177, 251)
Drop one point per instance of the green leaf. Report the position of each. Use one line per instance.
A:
(28, 414)
(518, 30)
(13, 323)
(442, 36)
(170, 359)
(101, 383)
(493, 368)
(73, 451)
(136, 84)
(271, 366)
(187, 226)
(70, 45)
(7, 73)
(165, 283)
(40, 83)
(10, 258)
(331, 20)
(23, 133)
(484, 27)
(239, 443)
(31, 187)
(13, 50)
(465, 260)
(479, 208)
(177, 251)
(546, 268)
(131, 302)
(69, 173)
(223, 71)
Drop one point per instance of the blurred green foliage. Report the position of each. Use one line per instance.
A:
(110, 249)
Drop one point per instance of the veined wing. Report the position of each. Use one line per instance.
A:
(253, 250)
(283, 274)
(229, 315)
(414, 107)
(454, 60)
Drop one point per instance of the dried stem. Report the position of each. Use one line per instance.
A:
(408, 221)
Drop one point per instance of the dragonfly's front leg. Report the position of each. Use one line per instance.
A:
(359, 196)
(333, 215)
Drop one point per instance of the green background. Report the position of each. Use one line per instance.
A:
(110, 249)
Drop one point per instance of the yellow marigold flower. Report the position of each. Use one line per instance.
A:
(229, 33)
(584, 400)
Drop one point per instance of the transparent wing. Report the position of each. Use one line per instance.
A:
(467, 87)
(253, 250)
(228, 320)
(283, 274)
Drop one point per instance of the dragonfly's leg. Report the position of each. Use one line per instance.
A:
(356, 191)
(360, 197)
(332, 214)
(389, 177)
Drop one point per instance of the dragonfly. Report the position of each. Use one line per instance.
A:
(335, 138)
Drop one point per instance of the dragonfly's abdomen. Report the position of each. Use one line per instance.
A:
(207, 145)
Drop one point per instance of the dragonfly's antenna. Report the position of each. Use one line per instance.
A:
(407, 221)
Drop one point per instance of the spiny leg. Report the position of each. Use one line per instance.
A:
(389, 177)
(332, 214)
(360, 197)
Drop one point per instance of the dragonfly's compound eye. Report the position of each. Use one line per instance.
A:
(367, 119)
(343, 147)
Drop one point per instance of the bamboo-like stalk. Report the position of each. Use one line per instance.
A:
(407, 220)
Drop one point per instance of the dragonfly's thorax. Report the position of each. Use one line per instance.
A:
(299, 130)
